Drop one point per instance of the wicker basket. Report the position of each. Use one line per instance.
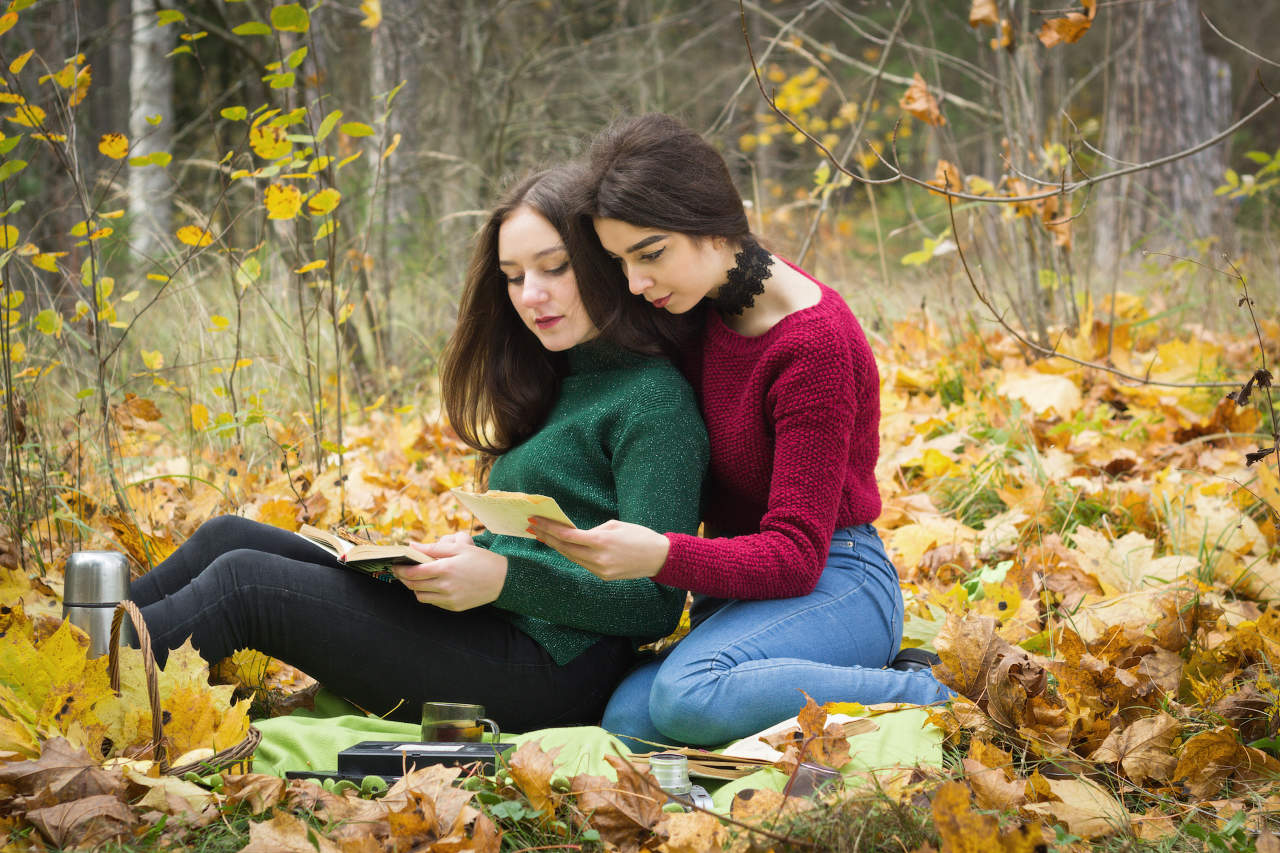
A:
(238, 758)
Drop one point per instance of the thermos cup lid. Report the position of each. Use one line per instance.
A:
(96, 577)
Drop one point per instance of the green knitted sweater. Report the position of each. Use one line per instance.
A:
(623, 440)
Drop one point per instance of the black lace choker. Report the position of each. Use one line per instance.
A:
(745, 280)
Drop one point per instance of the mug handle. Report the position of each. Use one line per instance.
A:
(492, 726)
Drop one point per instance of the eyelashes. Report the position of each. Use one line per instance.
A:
(654, 255)
(557, 271)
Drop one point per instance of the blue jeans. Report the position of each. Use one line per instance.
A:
(743, 668)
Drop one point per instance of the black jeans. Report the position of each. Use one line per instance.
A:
(239, 584)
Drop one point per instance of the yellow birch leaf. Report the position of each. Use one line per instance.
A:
(153, 359)
(199, 416)
(17, 352)
(7, 20)
(372, 10)
(283, 202)
(11, 98)
(8, 237)
(323, 202)
(104, 231)
(114, 145)
(269, 141)
(194, 236)
(395, 143)
(314, 265)
(219, 323)
(19, 63)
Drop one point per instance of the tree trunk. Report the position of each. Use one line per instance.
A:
(150, 94)
(1160, 103)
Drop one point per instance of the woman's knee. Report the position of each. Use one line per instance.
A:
(682, 707)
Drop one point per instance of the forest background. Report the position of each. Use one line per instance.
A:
(234, 235)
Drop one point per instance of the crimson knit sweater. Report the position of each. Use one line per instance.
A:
(793, 418)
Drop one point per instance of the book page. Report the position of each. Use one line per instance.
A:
(326, 540)
(507, 513)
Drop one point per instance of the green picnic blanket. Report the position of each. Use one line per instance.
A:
(311, 740)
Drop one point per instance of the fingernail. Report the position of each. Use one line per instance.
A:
(530, 529)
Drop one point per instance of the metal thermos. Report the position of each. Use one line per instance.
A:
(95, 582)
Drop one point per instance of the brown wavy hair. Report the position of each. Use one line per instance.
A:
(652, 171)
(499, 382)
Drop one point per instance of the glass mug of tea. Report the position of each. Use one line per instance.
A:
(451, 722)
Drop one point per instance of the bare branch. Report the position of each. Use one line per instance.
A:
(1052, 352)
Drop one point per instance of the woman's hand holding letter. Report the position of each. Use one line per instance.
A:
(462, 575)
(616, 550)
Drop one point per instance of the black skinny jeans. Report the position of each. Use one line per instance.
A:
(240, 584)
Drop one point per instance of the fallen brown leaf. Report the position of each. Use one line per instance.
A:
(1143, 749)
(531, 769)
(285, 833)
(86, 822)
(690, 832)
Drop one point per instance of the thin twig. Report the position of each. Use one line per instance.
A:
(1052, 352)
(1062, 189)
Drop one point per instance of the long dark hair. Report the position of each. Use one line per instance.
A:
(499, 382)
(654, 172)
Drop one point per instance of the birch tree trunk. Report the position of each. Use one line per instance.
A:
(150, 94)
(1160, 103)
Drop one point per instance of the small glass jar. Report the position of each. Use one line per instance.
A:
(671, 770)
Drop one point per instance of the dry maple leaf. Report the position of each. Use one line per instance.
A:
(983, 12)
(623, 812)
(84, 823)
(1066, 30)
(1143, 749)
(946, 176)
(920, 103)
(531, 769)
(259, 790)
(690, 832)
(1086, 808)
(285, 833)
(62, 773)
(1207, 760)
(963, 830)
(415, 824)
(970, 648)
(50, 685)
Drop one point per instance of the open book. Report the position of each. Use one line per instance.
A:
(362, 555)
(507, 513)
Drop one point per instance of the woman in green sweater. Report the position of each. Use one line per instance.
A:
(564, 393)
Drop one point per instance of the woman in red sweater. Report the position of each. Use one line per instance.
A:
(793, 590)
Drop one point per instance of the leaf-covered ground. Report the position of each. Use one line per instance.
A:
(1092, 557)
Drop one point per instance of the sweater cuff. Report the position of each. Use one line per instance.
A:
(675, 570)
